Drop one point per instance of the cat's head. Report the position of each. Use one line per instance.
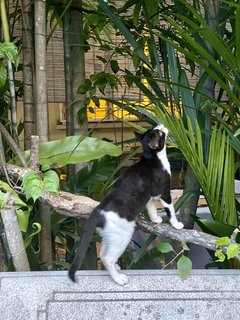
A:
(153, 139)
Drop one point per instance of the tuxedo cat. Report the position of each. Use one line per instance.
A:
(114, 218)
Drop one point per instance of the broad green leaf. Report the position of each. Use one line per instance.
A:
(51, 182)
(32, 185)
(9, 50)
(223, 241)
(18, 202)
(232, 250)
(164, 247)
(184, 267)
(73, 149)
(215, 227)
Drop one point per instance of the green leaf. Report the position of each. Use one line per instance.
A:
(82, 115)
(232, 250)
(23, 219)
(184, 266)
(164, 247)
(73, 149)
(61, 263)
(123, 30)
(114, 66)
(85, 87)
(152, 8)
(32, 185)
(3, 74)
(136, 12)
(95, 99)
(222, 241)
(142, 251)
(220, 255)
(186, 196)
(19, 203)
(28, 240)
(94, 174)
(51, 182)
(185, 247)
(9, 50)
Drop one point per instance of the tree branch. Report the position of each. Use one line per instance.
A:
(13, 144)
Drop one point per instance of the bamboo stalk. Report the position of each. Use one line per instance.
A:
(13, 103)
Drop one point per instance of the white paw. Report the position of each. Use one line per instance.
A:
(157, 219)
(121, 279)
(117, 267)
(176, 224)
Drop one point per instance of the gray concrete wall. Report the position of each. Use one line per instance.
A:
(150, 295)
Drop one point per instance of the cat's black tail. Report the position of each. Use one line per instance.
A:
(92, 222)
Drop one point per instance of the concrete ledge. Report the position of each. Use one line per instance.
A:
(150, 295)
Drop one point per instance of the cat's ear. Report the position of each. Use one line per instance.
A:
(138, 135)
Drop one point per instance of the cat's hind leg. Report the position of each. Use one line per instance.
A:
(168, 205)
(152, 212)
(116, 234)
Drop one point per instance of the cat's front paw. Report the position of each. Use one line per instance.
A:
(176, 224)
(121, 279)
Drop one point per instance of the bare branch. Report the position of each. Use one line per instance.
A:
(13, 144)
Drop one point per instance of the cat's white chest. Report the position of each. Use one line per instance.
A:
(162, 156)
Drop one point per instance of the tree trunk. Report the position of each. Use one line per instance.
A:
(74, 63)
(78, 65)
(14, 236)
(68, 74)
(190, 207)
(28, 71)
(42, 129)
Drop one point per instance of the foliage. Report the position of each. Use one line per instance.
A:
(23, 210)
(91, 179)
(232, 249)
(33, 184)
(184, 266)
(71, 150)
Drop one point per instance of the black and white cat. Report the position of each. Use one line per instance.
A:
(114, 218)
